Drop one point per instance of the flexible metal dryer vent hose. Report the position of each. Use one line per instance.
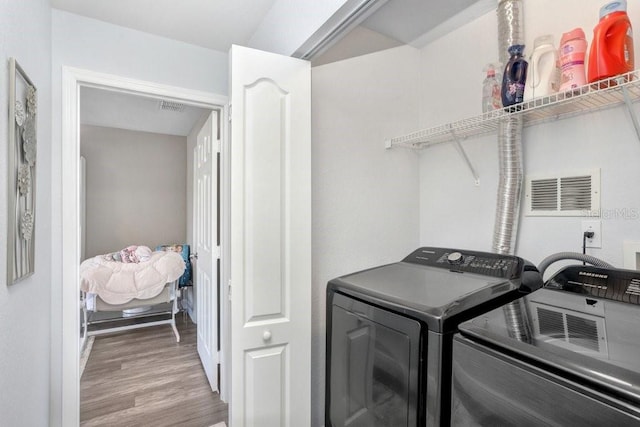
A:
(505, 230)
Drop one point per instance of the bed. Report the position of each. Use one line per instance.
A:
(129, 291)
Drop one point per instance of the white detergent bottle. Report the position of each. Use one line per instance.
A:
(543, 78)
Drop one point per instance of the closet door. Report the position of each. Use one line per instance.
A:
(270, 239)
(205, 228)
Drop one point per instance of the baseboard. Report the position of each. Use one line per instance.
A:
(84, 354)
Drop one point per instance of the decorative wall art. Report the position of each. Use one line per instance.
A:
(23, 114)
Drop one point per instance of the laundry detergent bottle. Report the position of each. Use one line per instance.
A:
(514, 77)
(543, 74)
(573, 49)
(612, 47)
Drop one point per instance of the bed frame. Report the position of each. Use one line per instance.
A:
(136, 308)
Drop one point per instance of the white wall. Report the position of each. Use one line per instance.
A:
(25, 313)
(97, 46)
(454, 212)
(364, 198)
(136, 188)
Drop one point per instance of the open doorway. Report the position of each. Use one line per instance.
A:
(137, 175)
(137, 192)
(95, 91)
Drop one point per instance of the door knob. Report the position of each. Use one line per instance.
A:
(266, 336)
(194, 255)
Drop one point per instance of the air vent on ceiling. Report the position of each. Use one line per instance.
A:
(171, 106)
(569, 329)
(577, 194)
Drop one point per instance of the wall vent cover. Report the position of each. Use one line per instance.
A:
(577, 194)
(171, 106)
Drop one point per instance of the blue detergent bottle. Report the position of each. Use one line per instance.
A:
(514, 77)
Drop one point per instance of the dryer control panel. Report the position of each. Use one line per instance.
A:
(464, 261)
(608, 283)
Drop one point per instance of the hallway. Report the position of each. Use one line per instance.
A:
(143, 377)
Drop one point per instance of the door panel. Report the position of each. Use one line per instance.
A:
(270, 239)
(266, 404)
(373, 366)
(266, 199)
(205, 240)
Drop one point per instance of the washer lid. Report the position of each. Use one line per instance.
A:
(439, 286)
(595, 341)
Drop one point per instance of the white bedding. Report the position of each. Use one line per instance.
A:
(118, 282)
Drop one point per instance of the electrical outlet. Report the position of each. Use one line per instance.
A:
(594, 225)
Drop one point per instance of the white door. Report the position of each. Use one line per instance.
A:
(270, 239)
(205, 229)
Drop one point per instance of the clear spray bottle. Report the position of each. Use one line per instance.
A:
(491, 97)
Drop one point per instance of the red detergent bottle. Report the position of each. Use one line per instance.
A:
(612, 47)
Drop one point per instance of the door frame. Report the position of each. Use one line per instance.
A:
(72, 80)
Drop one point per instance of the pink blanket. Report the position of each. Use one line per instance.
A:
(118, 282)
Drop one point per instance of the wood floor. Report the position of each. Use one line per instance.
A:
(144, 378)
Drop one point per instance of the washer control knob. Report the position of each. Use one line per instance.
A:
(455, 258)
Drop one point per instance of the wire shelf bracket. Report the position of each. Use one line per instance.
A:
(463, 154)
(634, 116)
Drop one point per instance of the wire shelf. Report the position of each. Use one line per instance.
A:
(600, 95)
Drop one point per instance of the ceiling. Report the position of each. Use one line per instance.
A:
(214, 24)
(217, 24)
(407, 20)
(400, 22)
